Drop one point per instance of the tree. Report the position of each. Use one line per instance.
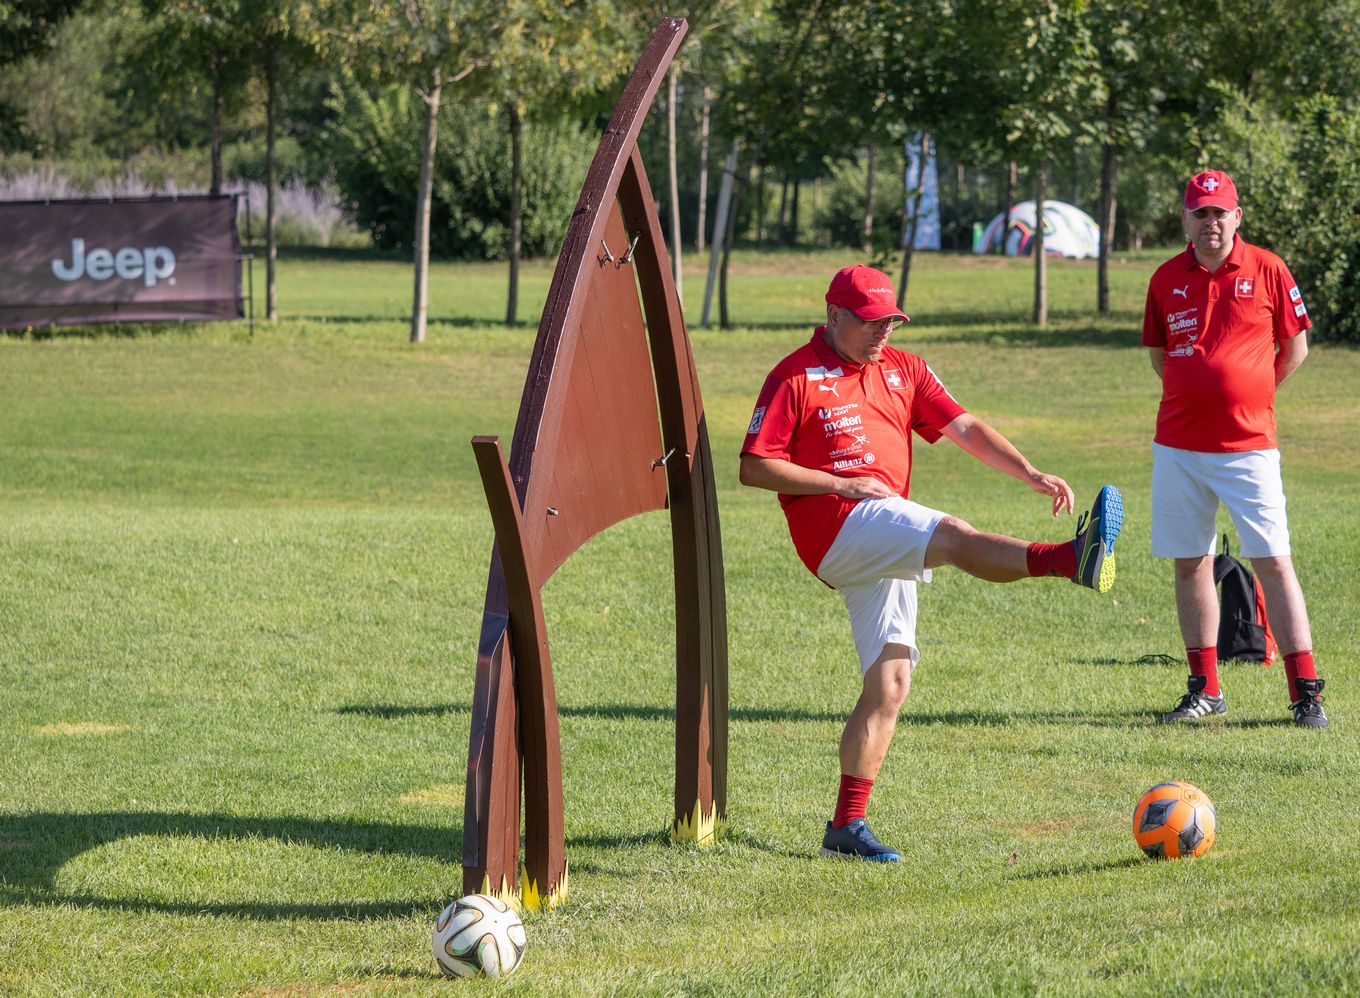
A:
(426, 45)
(27, 26)
(1048, 87)
(547, 56)
(191, 39)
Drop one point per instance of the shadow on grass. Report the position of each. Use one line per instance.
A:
(34, 847)
(608, 711)
(1082, 868)
(639, 712)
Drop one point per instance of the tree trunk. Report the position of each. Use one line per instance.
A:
(816, 210)
(868, 227)
(516, 212)
(215, 140)
(911, 220)
(271, 182)
(724, 321)
(793, 213)
(1040, 257)
(715, 245)
(703, 169)
(781, 239)
(760, 203)
(676, 249)
(1006, 208)
(1108, 167)
(420, 297)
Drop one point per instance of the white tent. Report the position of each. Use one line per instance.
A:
(1068, 231)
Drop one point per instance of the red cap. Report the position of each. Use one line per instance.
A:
(866, 292)
(1212, 188)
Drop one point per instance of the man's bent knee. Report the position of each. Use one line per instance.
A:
(888, 681)
(948, 541)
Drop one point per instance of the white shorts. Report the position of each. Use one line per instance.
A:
(875, 562)
(1187, 487)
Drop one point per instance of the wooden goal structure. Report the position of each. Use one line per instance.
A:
(611, 424)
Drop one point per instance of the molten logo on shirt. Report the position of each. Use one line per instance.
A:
(1244, 287)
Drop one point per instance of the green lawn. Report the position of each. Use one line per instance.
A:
(241, 587)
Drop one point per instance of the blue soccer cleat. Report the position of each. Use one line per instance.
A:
(1096, 534)
(855, 841)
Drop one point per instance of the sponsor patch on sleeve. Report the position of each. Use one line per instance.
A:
(1299, 309)
(1294, 294)
(757, 418)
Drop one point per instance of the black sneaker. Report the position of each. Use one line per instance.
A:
(1196, 703)
(1096, 534)
(855, 841)
(1308, 712)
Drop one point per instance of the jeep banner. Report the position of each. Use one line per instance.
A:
(139, 260)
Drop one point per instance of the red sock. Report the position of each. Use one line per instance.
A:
(1299, 665)
(853, 799)
(1204, 662)
(1052, 559)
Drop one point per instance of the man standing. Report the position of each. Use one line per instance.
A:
(831, 433)
(1225, 326)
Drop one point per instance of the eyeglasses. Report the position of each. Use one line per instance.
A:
(1210, 212)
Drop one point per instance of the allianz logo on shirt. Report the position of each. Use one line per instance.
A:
(150, 264)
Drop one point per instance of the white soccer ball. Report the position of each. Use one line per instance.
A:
(478, 935)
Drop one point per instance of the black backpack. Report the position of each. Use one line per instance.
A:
(1243, 631)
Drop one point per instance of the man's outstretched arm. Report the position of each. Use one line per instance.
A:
(795, 480)
(995, 451)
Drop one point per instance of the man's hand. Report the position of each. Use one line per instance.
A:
(1052, 485)
(863, 488)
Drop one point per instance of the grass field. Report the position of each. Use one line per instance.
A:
(240, 586)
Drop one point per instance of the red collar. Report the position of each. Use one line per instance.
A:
(1233, 261)
(829, 357)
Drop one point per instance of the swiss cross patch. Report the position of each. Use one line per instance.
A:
(1244, 287)
(893, 376)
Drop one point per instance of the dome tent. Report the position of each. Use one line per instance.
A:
(1068, 231)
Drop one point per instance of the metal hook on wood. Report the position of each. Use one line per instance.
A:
(628, 257)
(659, 462)
(608, 256)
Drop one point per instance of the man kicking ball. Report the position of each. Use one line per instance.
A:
(831, 433)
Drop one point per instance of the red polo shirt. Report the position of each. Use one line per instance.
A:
(821, 411)
(1219, 333)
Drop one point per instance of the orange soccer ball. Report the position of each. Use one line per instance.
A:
(1173, 820)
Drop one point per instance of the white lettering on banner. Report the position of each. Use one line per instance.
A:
(818, 373)
(832, 427)
(757, 418)
(151, 264)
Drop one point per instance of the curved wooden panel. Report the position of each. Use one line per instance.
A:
(611, 424)
(580, 432)
(696, 542)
